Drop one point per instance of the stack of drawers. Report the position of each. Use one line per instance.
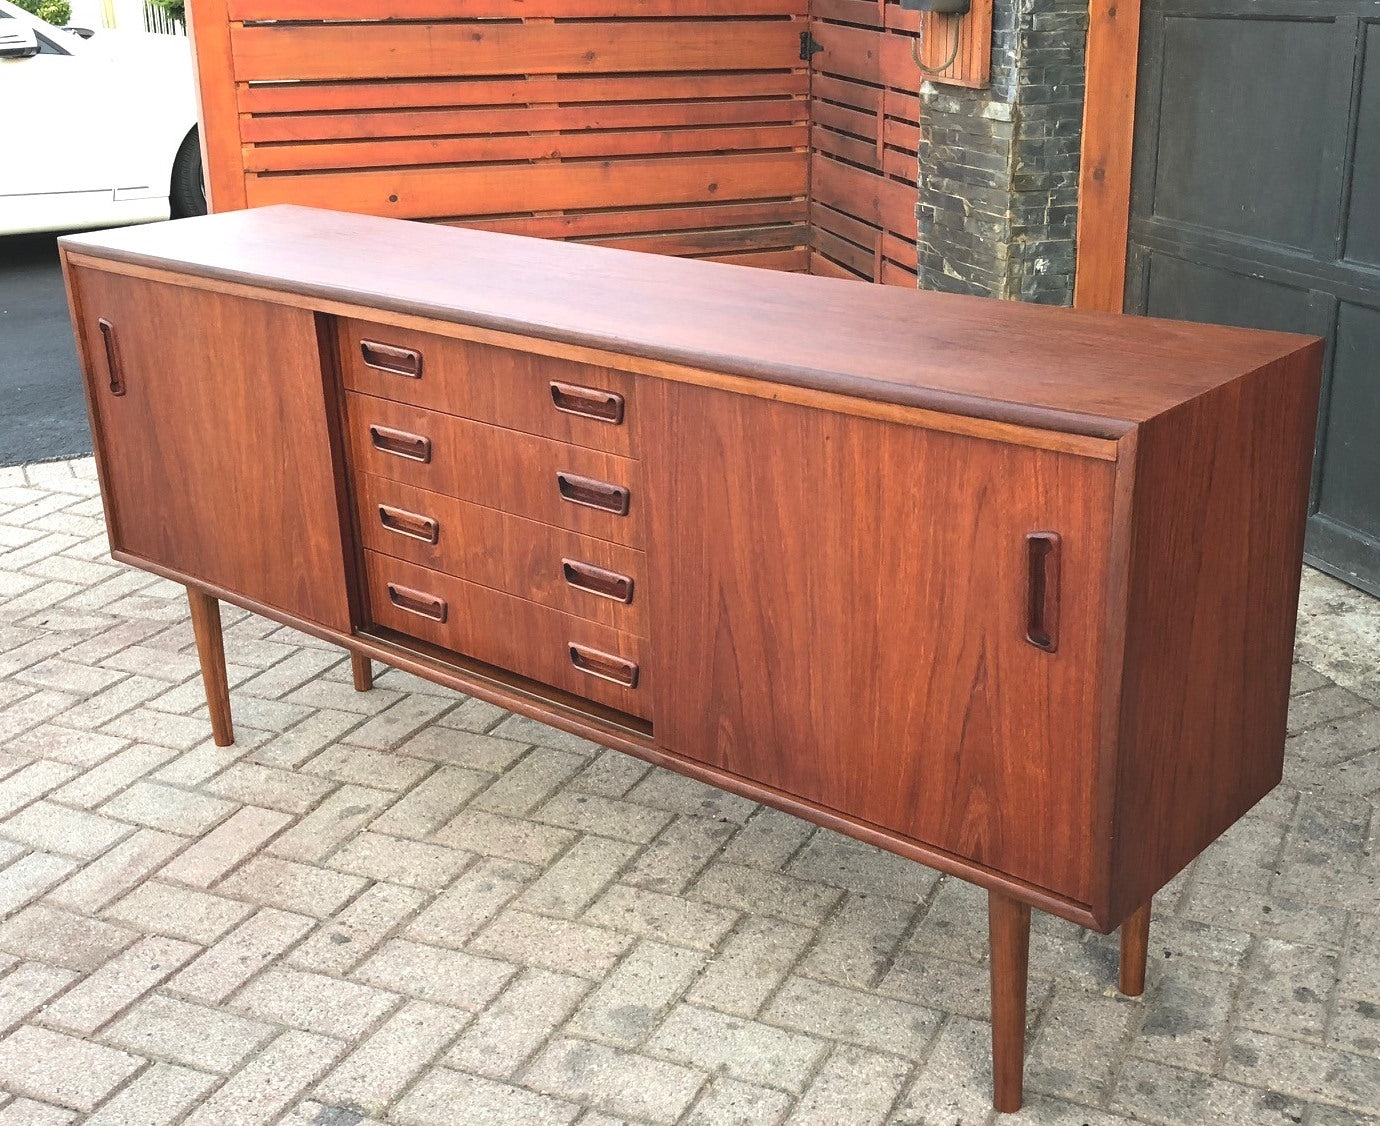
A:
(499, 505)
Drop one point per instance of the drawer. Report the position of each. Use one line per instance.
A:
(588, 491)
(564, 570)
(581, 657)
(571, 402)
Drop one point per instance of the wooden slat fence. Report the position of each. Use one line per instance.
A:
(865, 127)
(676, 126)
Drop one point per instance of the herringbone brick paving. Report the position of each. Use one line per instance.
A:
(408, 907)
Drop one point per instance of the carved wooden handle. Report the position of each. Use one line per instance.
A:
(112, 357)
(596, 580)
(606, 666)
(588, 402)
(417, 602)
(593, 494)
(412, 524)
(1042, 590)
(400, 443)
(391, 358)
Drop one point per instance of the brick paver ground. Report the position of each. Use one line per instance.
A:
(409, 907)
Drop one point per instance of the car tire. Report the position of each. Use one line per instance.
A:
(187, 194)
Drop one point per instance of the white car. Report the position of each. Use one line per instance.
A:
(97, 131)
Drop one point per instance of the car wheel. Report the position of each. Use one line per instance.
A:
(187, 195)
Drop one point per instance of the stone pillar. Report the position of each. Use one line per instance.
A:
(998, 204)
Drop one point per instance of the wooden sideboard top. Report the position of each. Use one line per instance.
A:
(1085, 373)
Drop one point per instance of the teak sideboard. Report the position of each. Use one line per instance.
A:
(1007, 590)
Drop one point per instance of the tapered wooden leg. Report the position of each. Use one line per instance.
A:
(363, 668)
(1135, 946)
(1008, 923)
(211, 650)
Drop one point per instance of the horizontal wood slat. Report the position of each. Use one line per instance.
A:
(535, 89)
(383, 50)
(518, 119)
(370, 10)
(483, 150)
(416, 193)
(595, 225)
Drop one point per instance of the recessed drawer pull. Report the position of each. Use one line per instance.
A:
(588, 402)
(417, 602)
(112, 358)
(406, 523)
(389, 357)
(606, 666)
(593, 494)
(400, 443)
(1042, 590)
(596, 580)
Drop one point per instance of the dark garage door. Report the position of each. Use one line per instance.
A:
(1256, 201)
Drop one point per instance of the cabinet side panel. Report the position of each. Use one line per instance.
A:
(1217, 544)
(840, 612)
(217, 459)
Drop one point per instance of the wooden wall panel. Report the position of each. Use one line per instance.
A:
(864, 127)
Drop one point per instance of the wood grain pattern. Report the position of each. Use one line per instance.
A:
(503, 551)
(883, 566)
(1103, 449)
(865, 127)
(509, 632)
(1104, 178)
(208, 28)
(477, 123)
(625, 733)
(406, 96)
(416, 109)
(501, 386)
(328, 52)
(1047, 661)
(231, 441)
(1221, 488)
(1089, 374)
(361, 672)
(464, 190)
(497, 468)
(369, 10)
(1008, 922)
(210, 651)
(1135, 947)
(431, 111)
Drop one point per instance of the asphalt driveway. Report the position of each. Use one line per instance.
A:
(42, 414)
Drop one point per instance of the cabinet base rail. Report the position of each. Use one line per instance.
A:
(1008, 918)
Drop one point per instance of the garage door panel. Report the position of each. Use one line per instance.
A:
(1256, 201)
(1245, 128)
(1195, 291)
(1348, 491)
(1363, 211)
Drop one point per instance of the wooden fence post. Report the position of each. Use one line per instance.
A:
(208, 25)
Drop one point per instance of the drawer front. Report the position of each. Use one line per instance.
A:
(572, 402)
(555, 483)
(578, 656)
(579, 575)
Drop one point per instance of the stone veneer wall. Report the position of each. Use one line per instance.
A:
(998, 204)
